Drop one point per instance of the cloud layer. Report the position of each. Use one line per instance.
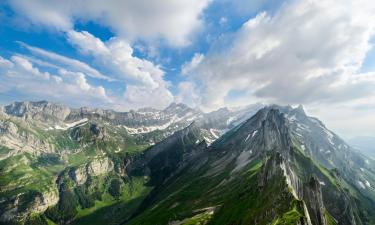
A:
(173, 21)
(308, 51)
(144, 81)
(19, 75)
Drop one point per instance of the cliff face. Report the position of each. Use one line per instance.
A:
(42, 111)
(96, 167)
(312, 195)
(24, 204)
(277, 140)
(16, 135)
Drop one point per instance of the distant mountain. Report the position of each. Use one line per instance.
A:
(256, 165)
(364, 144)
(156, 124)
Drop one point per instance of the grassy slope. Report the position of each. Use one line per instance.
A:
(238, 200)
(112, 210)
(31, 174)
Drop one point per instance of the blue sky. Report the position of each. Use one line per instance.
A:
(206, 53)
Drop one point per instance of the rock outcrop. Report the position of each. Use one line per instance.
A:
(20, 138)
(96, 167)
(39, 111)
(27, 203)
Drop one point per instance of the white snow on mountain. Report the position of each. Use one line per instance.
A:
(67, 126)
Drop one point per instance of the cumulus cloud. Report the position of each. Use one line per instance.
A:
(174, 21)
(187, 94)
(307, 51)
(142, 80)
(19, 75)
(192, 65)
(145, 85)
(73, 64)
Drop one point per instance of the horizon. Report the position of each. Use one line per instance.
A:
(262, 106)
(207, 54)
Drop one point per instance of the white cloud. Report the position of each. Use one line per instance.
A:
(28, 67)
(144, 80)
(174, 21)
(4, 63)
(20, 76)
(348, 118)
(187, 94)
(72, 64)
(308, 51)
(190, 66)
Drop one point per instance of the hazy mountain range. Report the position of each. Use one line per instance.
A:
(253, 165)
(365, 144)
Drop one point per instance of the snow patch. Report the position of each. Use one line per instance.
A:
(292, 118)
(361, 185)
(251, 134)
(212, 131)
(69, 125)
(247, 137)
(302, 127)
(208, 140)
(329, 136)
(230, 120)
(148, 129)
(367, 183)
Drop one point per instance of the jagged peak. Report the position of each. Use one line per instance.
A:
(300, 107)
(175, 105)
(31, 108)
(147, 109)
(29, 104)
(299, 110)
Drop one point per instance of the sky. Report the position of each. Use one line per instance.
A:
(129, 54)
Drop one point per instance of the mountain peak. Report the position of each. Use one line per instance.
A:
(39, 110)
(176, 106)
(300, 110)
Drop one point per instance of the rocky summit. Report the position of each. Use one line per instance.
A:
(253, 165)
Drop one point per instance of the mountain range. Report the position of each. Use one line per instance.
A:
(261, 164)
(365, 144)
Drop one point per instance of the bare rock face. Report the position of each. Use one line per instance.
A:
(41, 111)
(99, 167)
(18, 138)
(79, 175)
(96, 167)
(276, 139)
(26, 203)
(313, 197)
(41, 203)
